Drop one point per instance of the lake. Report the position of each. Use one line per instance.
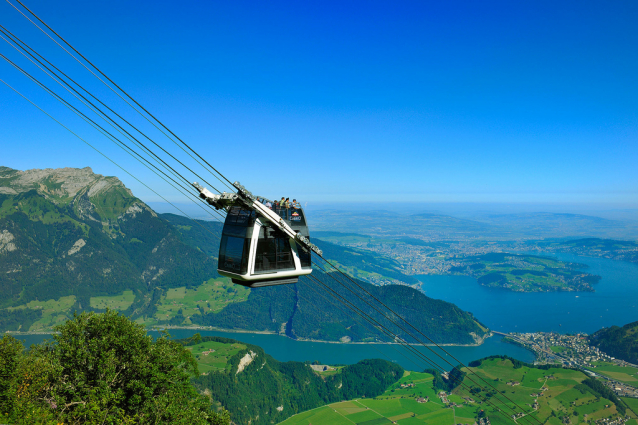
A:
(286, 349)
(614, 302)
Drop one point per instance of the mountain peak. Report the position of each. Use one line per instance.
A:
(60, 185)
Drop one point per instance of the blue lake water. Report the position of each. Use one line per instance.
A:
(614, 302)
(286, 349)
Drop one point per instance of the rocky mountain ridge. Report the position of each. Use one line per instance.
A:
(70, 231)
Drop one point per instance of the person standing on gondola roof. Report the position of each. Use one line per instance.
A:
(295, 204)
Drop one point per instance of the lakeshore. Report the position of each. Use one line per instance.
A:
(286, 349)
(614, 302)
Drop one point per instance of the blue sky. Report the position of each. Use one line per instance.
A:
(481, 102)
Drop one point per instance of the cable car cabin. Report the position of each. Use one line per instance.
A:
(254, 253)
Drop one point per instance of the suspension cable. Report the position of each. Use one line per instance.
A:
(104, 116)
(229, 184)
(112, 138)
(411, 348)
(417, 330)
(213, 168)
(104, 155)
(308, 285)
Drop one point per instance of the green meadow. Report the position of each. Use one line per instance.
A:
(505, 389)
(213, 356)
(212, 296)
(625, 374)
(54, 312)
(397, 405)
(116, 302)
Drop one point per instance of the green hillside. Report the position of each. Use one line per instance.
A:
(552, 396)
(72, 233)
(619, 342)
(257, 389)
(525, 273)
(365, 264)
(595, 247)
(307, 311)
(72, 240)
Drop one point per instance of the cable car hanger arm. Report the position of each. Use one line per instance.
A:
(244, 197)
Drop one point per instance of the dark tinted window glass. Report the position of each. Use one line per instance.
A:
(237, 231)
(294, 215)
(273, 252)
(239, 216)
(231, 254)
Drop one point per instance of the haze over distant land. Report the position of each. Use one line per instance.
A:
(485, 219)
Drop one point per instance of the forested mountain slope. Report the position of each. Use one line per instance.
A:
(619, 342)
(257, 389)
(72, 240)
(308, 311)
(72, 232)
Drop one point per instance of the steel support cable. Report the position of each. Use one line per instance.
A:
(421, 342)
(104, 155)
(110, 136)
(422, 355)
(311, 277)
(414, 337)
(21, 45)
(68, 105)
(320, 294)
(93, 108)
(100, 152)
(229, 184)
(157, 120)
(372, 321)
(376, 324)
(392, 336)
(440, 369)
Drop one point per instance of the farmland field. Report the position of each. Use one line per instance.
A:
(212, 296)
(546, 395)
(54, 312)
(117, 302)
(626, 374)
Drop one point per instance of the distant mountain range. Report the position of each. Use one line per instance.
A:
(486, 226)
(73, 240)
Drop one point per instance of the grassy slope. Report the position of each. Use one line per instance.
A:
(626, 374)
(213, 355)
(563, 396)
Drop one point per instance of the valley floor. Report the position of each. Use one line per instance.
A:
(551, 396)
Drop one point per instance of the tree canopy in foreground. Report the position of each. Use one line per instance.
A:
(101, 369)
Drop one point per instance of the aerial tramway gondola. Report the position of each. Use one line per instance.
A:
(260, 245)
